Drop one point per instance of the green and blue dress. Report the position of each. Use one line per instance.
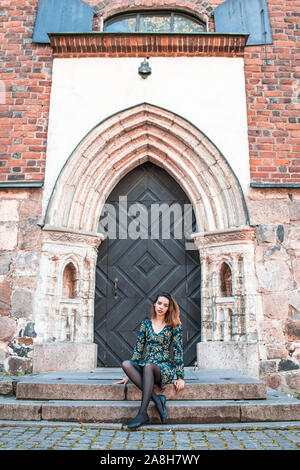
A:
(155, 348)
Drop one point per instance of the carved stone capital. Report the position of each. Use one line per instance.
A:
(231, 236)
(64, 236)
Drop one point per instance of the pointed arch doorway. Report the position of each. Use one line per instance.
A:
(70, 236)
(130, 272)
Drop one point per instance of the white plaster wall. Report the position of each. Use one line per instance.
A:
(208, 91)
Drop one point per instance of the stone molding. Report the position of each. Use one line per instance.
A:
(230, 236)
(98, 44)
(58, 234)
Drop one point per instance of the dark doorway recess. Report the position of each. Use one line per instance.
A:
(130, 272)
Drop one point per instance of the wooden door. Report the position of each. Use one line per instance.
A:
(130, 272)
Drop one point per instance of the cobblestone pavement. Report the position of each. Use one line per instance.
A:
(83, 437)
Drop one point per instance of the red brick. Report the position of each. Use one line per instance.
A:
(262, 83)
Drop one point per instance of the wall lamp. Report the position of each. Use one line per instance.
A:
(145, 69)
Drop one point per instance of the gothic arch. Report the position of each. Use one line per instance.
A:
(129, 138)
(109, 151)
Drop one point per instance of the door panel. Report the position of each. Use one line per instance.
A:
(130, 272)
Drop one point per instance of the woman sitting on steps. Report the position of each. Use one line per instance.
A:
(151, 362)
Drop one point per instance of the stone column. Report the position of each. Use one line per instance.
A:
(64, 318)
(229, 324)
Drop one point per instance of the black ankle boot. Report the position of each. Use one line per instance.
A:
(139, 420)
(164, 413)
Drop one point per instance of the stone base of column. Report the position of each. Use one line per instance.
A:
(241, 356)
(59, 357)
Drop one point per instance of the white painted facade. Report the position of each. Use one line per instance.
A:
(207, 91)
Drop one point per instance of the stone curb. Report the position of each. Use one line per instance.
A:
(280, 425)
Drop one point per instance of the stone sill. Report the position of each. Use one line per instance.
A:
(225, 300)
(274, 185)
(98, 44)
(22, 184)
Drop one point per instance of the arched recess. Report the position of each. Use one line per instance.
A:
(131, 137)
(114, 147)
(201, 8)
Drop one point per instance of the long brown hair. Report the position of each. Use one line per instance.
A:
(172, 315)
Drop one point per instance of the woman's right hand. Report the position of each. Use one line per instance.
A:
(123, 381)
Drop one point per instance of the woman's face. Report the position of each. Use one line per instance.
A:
(161, 307)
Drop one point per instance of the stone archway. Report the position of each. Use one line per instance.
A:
(113, 148)
(131, 137)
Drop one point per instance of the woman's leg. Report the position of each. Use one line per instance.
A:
(139, 375)
(151, 375)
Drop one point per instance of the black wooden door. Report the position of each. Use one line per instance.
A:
(130, 271)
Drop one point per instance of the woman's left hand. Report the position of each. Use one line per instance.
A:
(179, 384)
(123, 381)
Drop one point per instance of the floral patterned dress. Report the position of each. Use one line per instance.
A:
(156, 348)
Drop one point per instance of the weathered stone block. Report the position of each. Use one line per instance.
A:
(276, 353)
(5, 293)
(287, 364)
(293, 381)
(9, 210)
(275, 305)
(5, 263)
(8, 236)
(295, 211)
(234, 355)
(296, 270)
(274, 275)
(294, 299)
(7, 328)
(268, 367)
(17, 366)
(69, 391)
(274, 412)
(30, 208)
(273, 381)
(30, 235)
(6, 387)
(27, 263)
(21, 303)
(292, 330)
(29, 330)
(269, 212)
(64, 357)
(293, 239)
(266, 234)
(12, 410)
(272, 333)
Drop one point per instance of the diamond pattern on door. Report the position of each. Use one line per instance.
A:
(130, 272)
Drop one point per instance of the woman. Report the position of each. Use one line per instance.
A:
(156, 366)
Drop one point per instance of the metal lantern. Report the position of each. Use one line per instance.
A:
(145, 69)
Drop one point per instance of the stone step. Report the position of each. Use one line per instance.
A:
(276, 407)
(100, 385)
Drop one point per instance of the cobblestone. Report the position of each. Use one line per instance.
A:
(83, 437)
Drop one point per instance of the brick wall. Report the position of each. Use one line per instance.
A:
(273, 105)
(25, 74)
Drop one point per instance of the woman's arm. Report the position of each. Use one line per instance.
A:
(140, 344)
(178, 357)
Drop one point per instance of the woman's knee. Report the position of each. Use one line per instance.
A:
(126, 364)
(150, 368)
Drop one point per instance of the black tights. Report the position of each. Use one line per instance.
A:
(144, 378)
